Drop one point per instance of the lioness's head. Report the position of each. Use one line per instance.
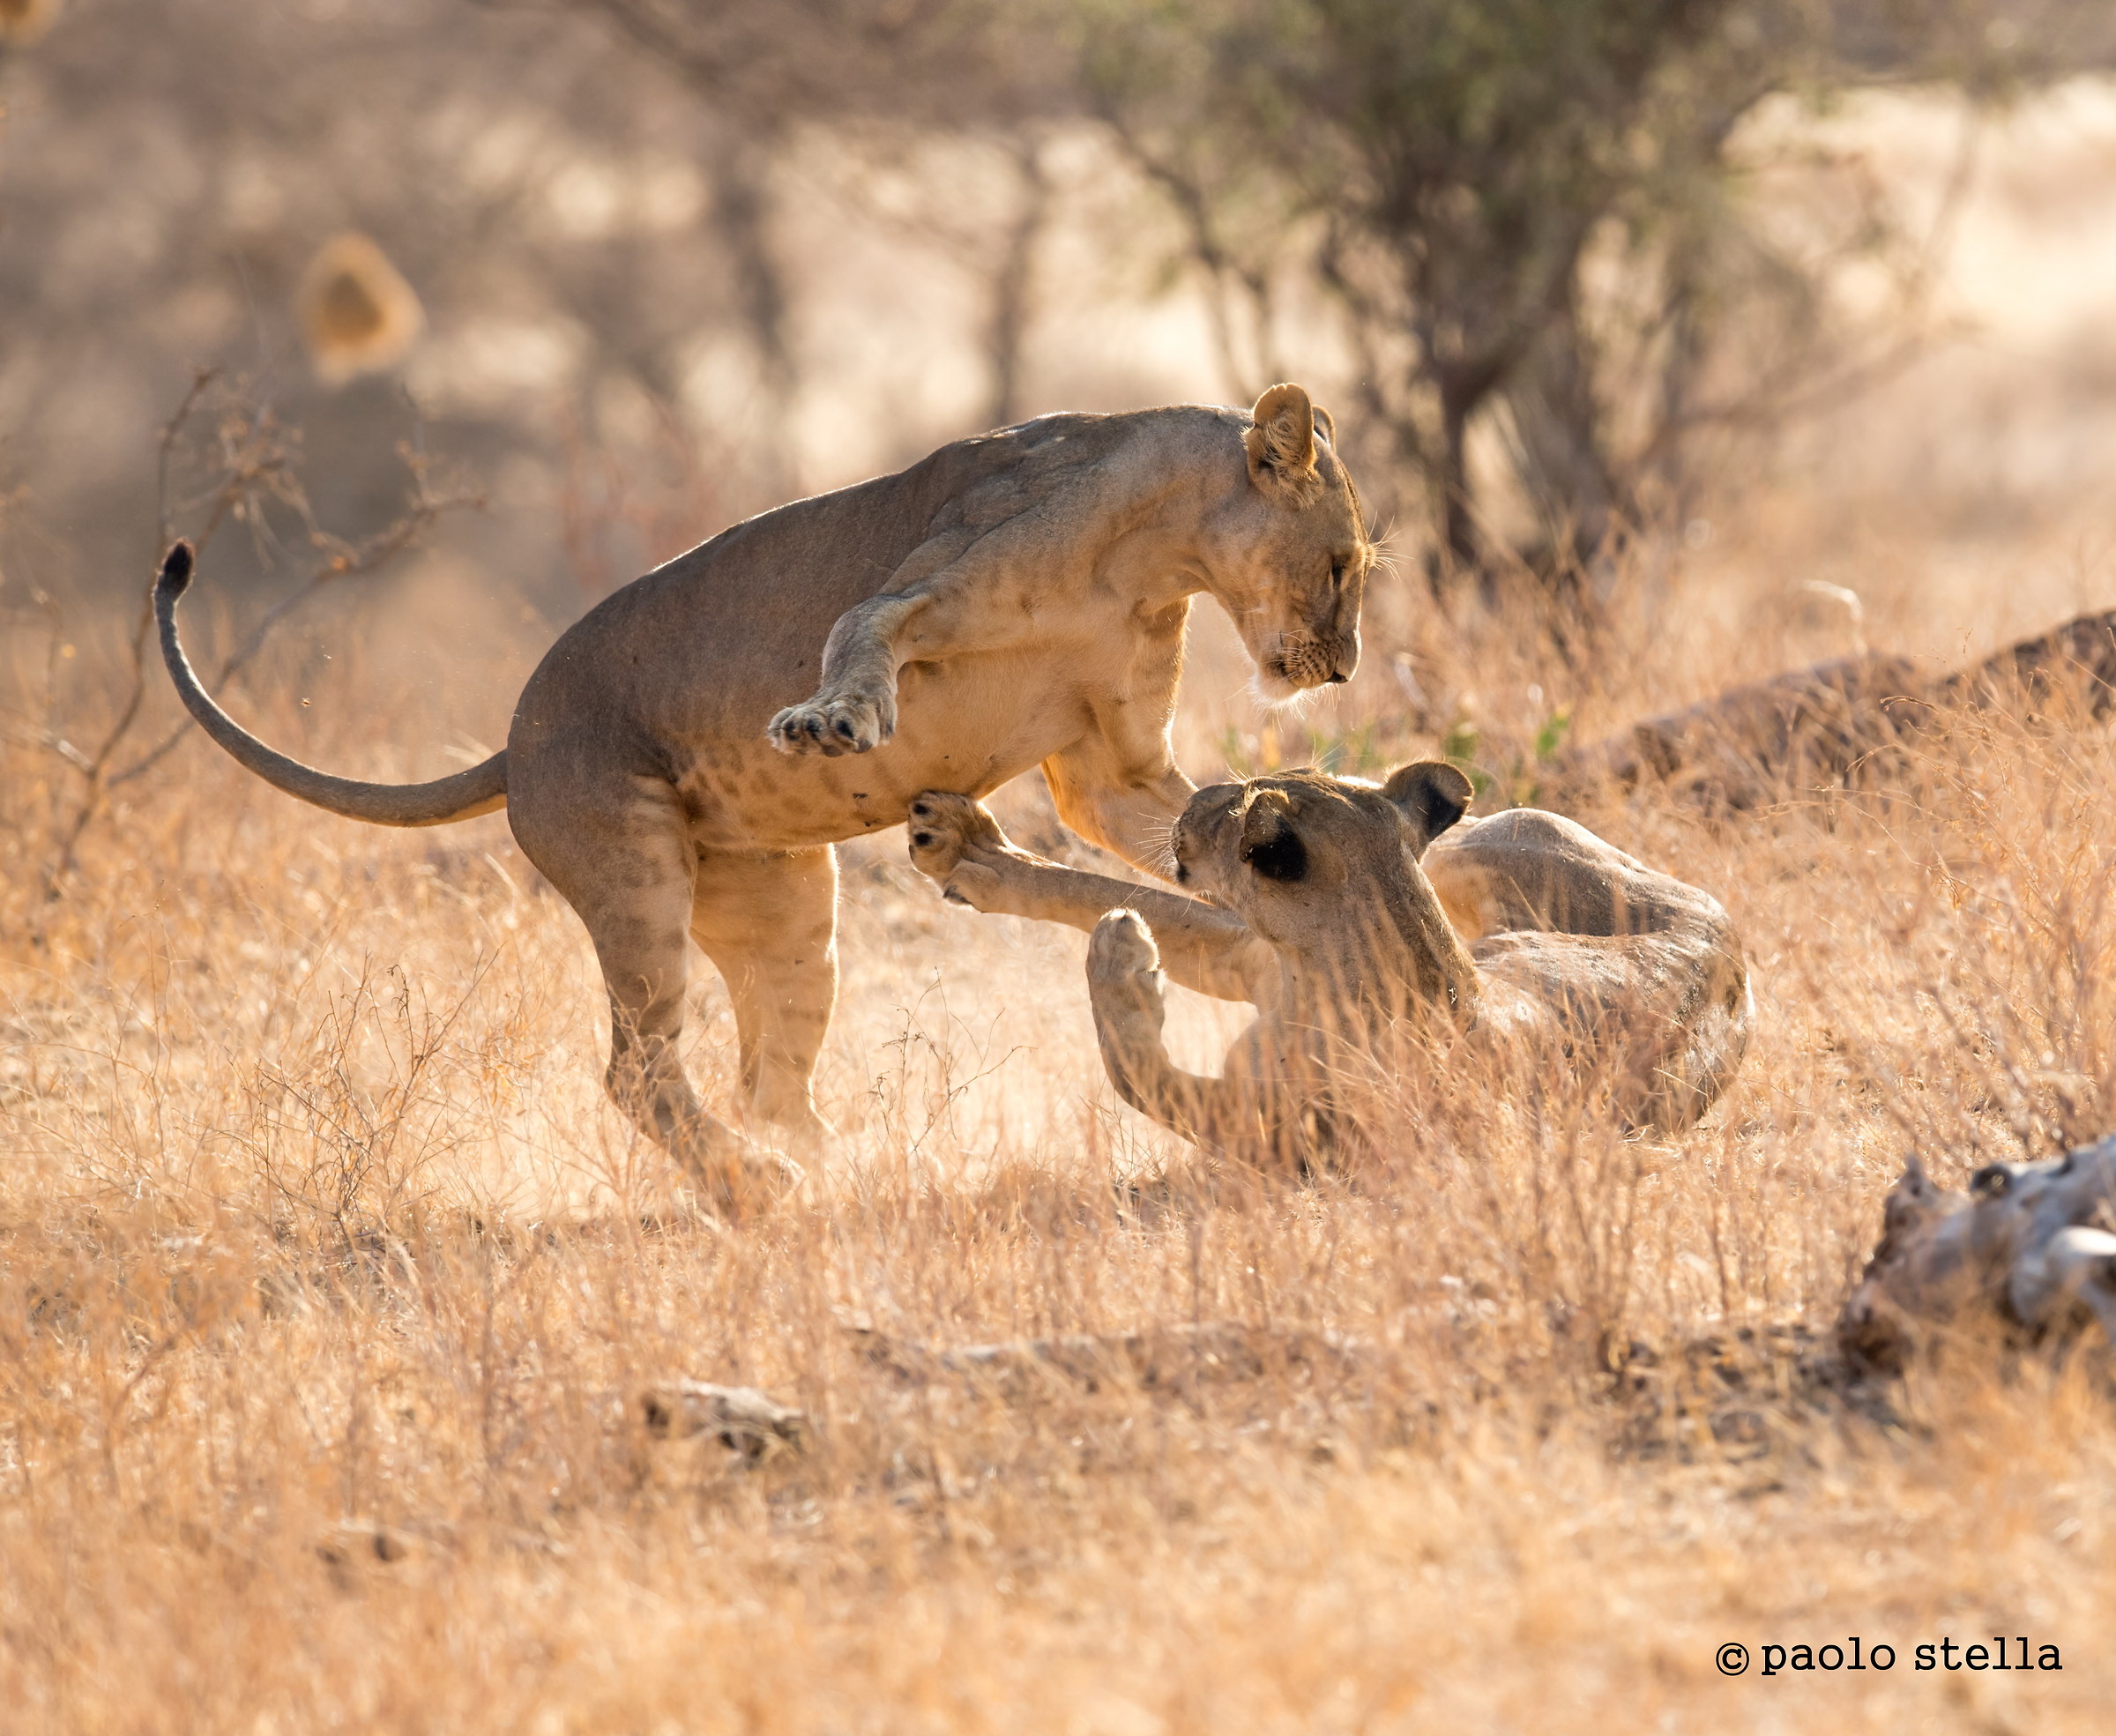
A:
(1300, 853)
(1288, 555)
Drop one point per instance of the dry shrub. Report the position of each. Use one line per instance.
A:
(23, 21)
(329, 1287)
(358, 315)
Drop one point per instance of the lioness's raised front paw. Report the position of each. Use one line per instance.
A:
(1122, 950)
(1124, 976)
(831, 724)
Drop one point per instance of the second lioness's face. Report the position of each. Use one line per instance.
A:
(1277, 850)
(1294, 854)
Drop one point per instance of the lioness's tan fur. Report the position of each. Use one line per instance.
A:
(1325, 917)
(1014, 600)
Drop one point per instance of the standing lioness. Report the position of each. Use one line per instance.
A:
(1013, 601)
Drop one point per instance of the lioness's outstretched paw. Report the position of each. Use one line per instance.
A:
(956, 842)
(947, 830)
(831, 724)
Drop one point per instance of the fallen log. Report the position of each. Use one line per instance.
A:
(1156, 1358)
(2030, 1245)
(1834, 721)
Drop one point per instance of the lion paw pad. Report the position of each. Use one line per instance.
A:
(1123, 946)
(833, 725)
(947, 830)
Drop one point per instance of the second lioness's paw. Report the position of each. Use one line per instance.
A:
(834, 723)
(1122, 947)
(947, 830)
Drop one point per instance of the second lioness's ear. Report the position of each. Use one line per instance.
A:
(1269, 843)
(1433, 795)
(1281, 446)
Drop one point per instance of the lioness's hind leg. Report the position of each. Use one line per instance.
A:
(626, 868)
(769, 922)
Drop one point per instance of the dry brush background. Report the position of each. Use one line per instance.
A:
(331, 1285)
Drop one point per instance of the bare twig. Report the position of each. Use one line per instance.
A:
(1193, 205)
(94, 765)
(343, 560)
(257, 460)
(1800, 394)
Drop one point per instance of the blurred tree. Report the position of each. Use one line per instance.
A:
(894, 72)
(1531, 218)
(590, 246)
(1529, 210)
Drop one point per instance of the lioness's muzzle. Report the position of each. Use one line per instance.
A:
(1312, 664)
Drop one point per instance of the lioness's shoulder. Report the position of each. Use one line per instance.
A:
(1061, 462)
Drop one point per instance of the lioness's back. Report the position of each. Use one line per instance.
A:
(1526, 869)
(755, 603)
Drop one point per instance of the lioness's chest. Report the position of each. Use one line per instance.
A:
(968, 725)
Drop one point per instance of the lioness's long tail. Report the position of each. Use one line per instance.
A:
(477, 791)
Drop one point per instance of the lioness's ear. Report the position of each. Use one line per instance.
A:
(1433, 795)
(1269, 843)
(1282, 446)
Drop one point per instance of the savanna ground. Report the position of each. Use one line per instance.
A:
(330, 1283)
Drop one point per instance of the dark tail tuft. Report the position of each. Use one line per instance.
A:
(176, 570)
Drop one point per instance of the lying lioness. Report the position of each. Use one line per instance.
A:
(1324, 916)
(1013, 601)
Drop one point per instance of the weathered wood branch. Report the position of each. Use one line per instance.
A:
(1836, 722)
(2030, 1245)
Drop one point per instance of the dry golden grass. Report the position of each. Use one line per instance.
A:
(316, 1230)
